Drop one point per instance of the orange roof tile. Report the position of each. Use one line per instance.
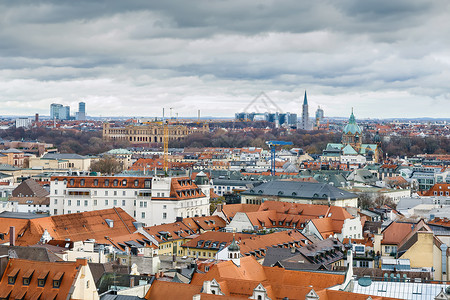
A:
(66, 271)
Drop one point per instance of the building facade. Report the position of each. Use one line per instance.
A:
(152, 201)
(150, 133)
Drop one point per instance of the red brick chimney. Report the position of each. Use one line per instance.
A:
(12, 236)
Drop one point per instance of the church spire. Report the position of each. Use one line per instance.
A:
(305, 100)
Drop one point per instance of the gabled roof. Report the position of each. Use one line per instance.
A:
(66, 272)
(76, 227)
(395, 232)
(30, 188)
(231, 209)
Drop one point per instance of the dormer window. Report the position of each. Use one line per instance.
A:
(136, 182)
(57, 279)
(95, 182)
(106, 182)
(42, 278)
(124, 182)
(82, 182)
(116, 182)
(72, 181)
(12, 276)
(27, 277)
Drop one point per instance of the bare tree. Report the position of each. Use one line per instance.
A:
(107, 165)
(365, 201)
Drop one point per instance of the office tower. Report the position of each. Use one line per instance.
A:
(55, 111)
(81, 115)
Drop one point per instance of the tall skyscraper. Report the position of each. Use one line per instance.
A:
(81, 115)
(319, 114)
(305, 114)
(55, 111)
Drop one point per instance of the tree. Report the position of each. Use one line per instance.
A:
(381, 200)
(365, 201)
(107, 165)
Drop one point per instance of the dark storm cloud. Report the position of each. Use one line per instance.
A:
(120, 56)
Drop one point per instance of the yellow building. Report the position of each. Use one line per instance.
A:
(149, 133)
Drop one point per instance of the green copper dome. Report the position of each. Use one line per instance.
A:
(352, 127)
(233, 246)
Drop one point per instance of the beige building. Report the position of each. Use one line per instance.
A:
(150, 133)
(61, 161)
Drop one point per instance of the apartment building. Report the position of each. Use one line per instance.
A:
(151, 201)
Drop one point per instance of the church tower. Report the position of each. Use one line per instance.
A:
(305, 114)
(352, 134)
(234, 253)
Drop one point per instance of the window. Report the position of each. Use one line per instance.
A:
(56, 201)
(123, 202)
(82, 182)
(143, 215)
(116, 182)
(95, 182)
(124, 193)
(107, 182)
(69, 211)
(85, 203)
(164, 206)
(69, 202)
(78, 202)
(56, 284)
(115, 193)
(106, 193)
(26, 281)
(95, 202)
(56, 181)
(124, 182)
(72, 182)
(12, 279)
(106, 202)
(364, 264)
(164, 215)
(145, 204)
(56, 192)
(41, 282)
(141, 203)
(115, 202)
(95, 193)
(136, 182)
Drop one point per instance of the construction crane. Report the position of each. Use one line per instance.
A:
(272, 145)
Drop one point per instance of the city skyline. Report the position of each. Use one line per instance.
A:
(385, 59)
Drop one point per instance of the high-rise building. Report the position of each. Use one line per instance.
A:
(319, 114)
(81, 115)
(55, 111)
(305, 115)
(66, 113)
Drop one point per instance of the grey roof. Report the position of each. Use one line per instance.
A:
(31, 253)
(234, 182)
(63, 156)
(119, 297)
(273, 255)
(298, 189)
(12, 150)
(21, 215)
(30, 188)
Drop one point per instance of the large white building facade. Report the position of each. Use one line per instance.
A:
(152, 201)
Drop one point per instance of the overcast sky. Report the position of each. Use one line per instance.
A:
(385, 58)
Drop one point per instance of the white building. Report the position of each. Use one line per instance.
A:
(23, 122)
(152, 201)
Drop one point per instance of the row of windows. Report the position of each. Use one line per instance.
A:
(106, 182)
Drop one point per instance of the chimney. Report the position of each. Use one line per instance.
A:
(219, 207)
(12, 236)
(82, 261)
